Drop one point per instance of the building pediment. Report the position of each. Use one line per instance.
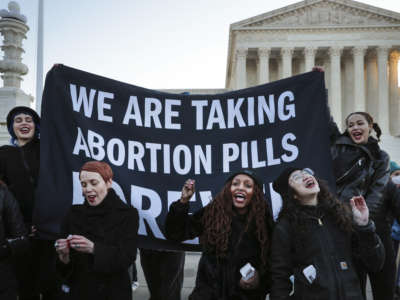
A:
(322, 13)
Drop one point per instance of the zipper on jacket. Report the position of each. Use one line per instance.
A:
(359, 162)
(332, 265)
(333, 261)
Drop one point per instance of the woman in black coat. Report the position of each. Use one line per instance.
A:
(234, 230)
(13, 242)
(19, 169)
(362, 168)
(99, 242)
(19, 161)
(316, 241)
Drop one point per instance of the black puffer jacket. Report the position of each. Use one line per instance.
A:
(360, 170)
(19, 169)
(13, 240)
(218, 278)
(112, 227)
(330, 250)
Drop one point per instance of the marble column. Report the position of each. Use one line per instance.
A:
(383, 89)
(241, 74)
(287, 54)
(309, 55)
(263, 66)
(394, 103)
(372, 84)
(335, 91)
(359, 83)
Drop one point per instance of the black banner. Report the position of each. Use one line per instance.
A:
(154, 141)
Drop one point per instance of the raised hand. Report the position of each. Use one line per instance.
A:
(360, 210)
(187, 190)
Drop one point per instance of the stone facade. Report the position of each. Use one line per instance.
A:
(357, 44)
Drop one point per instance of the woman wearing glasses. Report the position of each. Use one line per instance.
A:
(316, 240)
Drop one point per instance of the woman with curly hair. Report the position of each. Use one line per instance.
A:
(234, 230)
(316, 240)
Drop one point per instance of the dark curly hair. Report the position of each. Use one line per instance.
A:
(327, 203)
(218, 216)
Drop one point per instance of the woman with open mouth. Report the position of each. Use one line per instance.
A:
(234, 230)
(98, 241)
(316, 240)
(361, 167)
(19, 169)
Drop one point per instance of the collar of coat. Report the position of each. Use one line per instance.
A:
(345, 140)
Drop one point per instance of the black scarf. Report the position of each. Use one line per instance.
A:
(99, 217)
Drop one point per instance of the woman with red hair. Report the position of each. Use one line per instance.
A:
(99, 241)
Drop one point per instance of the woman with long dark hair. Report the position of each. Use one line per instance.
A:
(234, 230)
(316, 240)
(361, 167)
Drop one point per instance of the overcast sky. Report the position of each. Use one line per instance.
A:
(150, 43)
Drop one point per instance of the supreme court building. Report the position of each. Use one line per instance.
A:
(358, 45)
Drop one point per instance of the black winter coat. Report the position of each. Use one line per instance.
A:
(112, 227)
(370, 172)
(330, 250)
(19, 169)
(218, 278)
(13, 240)
(360, 170)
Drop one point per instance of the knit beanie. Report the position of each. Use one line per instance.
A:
(22, 110)
(281, 183)
(248, 172)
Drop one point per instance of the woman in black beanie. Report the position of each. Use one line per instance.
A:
(234, 230)
(316, 240)
(19, 169)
